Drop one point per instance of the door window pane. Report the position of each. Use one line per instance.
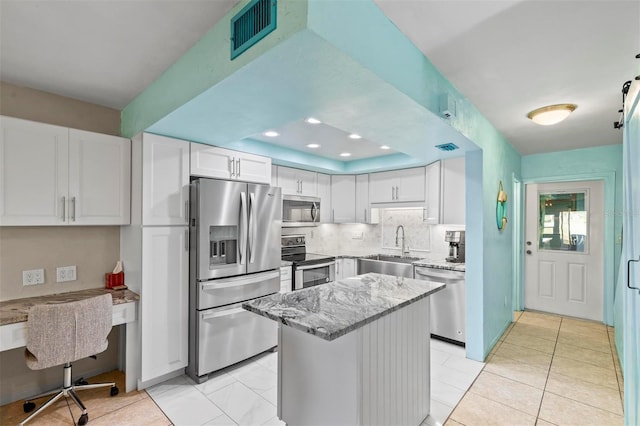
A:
(563, 221)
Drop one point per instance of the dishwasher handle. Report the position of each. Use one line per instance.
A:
(434, 274)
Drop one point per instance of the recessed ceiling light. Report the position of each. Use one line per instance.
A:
(345, 154)
(355, 136)
(271, 134)
(313, 145)
(312, 120)
(384, 147)
(551, 114)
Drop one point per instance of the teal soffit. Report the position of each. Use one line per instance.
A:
(301, 69)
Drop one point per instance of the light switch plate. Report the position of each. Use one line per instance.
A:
(66, 273)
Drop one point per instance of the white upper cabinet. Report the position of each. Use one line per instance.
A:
(432, 208)
(397, 186)
(52, 175)
(324, 193)
(363, 212)
(453, 194)
(165, 191)
(297, 182)
(343, 196)
(214, 162)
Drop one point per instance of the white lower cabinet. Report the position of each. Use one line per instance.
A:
(164, 301)
(345, 268)
(286, 279)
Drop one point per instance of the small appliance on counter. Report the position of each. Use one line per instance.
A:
(456, 246)
(234, 236)
(309, 269)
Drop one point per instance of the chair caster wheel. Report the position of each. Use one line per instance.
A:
(28, 406)
(83, 420)
(115, 391)
(81, 382)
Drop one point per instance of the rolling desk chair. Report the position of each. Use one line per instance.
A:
(62, 333)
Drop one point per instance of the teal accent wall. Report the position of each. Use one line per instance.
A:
(603, 162)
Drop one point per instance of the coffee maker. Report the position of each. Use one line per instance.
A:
(456, 246)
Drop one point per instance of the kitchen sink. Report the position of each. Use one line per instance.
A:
(387, 264)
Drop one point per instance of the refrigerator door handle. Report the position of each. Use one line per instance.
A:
(243, 226)
(252, 227)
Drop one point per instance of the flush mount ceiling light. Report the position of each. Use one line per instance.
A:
(313, 145)
(312, 120)
(355, 136)
(384, 147)
(345, 154)
(271, 134)
(551, 114)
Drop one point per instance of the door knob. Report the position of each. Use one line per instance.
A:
(528, 251)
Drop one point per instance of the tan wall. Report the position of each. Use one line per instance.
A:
(93, 249)
(36, 105)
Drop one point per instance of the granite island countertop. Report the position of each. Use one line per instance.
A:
(17, 310)
(335, 309)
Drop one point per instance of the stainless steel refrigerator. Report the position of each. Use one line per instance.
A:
(234, 257)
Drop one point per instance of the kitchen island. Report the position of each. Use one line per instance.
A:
(353, 352)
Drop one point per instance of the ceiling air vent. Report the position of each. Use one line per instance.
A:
(447, 147)
(252, 24)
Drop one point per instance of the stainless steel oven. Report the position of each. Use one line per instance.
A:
(309, 269)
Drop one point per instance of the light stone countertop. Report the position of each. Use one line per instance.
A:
(440, 264)
(335, 309)
(17, 310)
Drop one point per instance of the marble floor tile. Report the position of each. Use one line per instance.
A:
(255, 376)
(440, 411)
(597, 358)
(221, 420)
(274, 421)
(531, 342)
(514, 370)
(525, 355)
(187, 406)
(181, 380)
(452, 377)
(452, 422)
(215, 382)
(585, 372)
(242, 405)
(449, 348)
(143, 412)
(271, 395)
(508, 392)
(564, 411)
(588, 393)
(445, 393)
(464, 365)
(439, 357)
(269, 360)
(477, 410)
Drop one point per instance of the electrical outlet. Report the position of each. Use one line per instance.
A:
(66, 273)
(356, 235)
(33, 277)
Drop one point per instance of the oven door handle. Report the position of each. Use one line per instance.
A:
(315, 266)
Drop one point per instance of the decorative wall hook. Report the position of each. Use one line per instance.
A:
(501, 208)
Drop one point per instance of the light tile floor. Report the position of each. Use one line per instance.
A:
(545, 369)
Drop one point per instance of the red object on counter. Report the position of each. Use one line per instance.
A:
(113, 280)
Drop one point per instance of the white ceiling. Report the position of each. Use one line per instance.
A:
(507, 57)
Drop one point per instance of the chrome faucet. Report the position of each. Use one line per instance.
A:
(404, 253)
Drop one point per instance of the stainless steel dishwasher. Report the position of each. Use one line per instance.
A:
(448, 307)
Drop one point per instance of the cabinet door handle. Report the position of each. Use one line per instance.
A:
(73, 212)
(238, 164)
(629, 274)
(333, 215)
(186, 240)
(232, 167)
(64, 208)
(397, 193)
(393, 192)
(365, 215)
(186, 211)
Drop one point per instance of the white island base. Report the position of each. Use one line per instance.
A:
(378, 374)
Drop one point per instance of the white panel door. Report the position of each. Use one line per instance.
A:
(33, 173)
(324, 193)
(99, 179)
(211, 161)
(308, 183)
(410, 185)
(253, 168)
(164, 303)
(564, 230)
(165, 177)
(288, 180)
(382, 187)
(363, 215)
(343, 198)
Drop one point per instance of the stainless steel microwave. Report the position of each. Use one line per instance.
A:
(300, 211)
